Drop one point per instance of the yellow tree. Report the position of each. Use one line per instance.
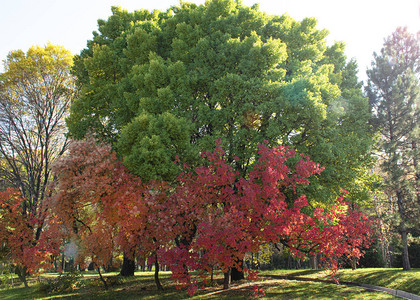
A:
(35, 92)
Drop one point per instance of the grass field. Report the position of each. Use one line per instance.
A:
(142, 286)
(385, 277)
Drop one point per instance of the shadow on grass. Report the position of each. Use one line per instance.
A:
(318, 290)
(275, 286)
(128, 295)
(126, 288)
(290, 275)
(290, 289)
(20, 293)
(408, 281)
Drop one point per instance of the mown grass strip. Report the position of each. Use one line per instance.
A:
(142, 286)
(408, 281)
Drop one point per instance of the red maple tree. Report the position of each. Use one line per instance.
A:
(88, 180)
(17, 232)
(220, 216)
(210, 217)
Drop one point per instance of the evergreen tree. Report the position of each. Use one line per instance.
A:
(394, 95)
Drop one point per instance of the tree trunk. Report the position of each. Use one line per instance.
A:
(128, 267)
(289, 262)
(353, 263)
(314, 262)
(237, 275)
(157, 281)
(11, 275)
(382, 240)
(416, 169)
(226, 280)
(54, 258)
(69, 266)
(102, 278)
(22, 272)
(63, 262)
(405, 258)
(108, 267)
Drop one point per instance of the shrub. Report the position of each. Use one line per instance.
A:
(63, 283)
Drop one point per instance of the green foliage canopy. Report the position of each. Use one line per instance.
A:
(161, 84)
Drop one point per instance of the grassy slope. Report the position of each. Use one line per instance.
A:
(290, 289)
(142, 287)
(390, 278)
(385, 277)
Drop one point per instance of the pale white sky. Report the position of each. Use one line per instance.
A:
(361, 24)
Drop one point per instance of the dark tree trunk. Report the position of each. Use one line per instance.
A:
(289, 262)
(226, 280)
(403, 229)
(405, 258)
(69, 266)
(157, 281)
(102, 278)
(108, 267)
(54, 258)
(22, 273)
(314, 262)
(353, 263)
(237, 275)
(128, 267)
(63, 262)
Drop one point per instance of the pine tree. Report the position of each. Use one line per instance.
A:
(394, 94)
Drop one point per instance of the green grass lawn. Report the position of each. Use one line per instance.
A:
(142, 286)
(385, 277)
(390, 278)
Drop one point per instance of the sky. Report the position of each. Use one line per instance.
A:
(361, 24)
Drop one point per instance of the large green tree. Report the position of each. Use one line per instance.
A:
(394, 93)
(165, 85)
(161, 84)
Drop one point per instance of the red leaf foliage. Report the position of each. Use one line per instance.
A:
(18, 231)
(211, 216)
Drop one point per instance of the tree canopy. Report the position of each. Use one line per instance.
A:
(212, 217)
(36, 90)
(161, 85)
(204, 106)
(394, 94)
